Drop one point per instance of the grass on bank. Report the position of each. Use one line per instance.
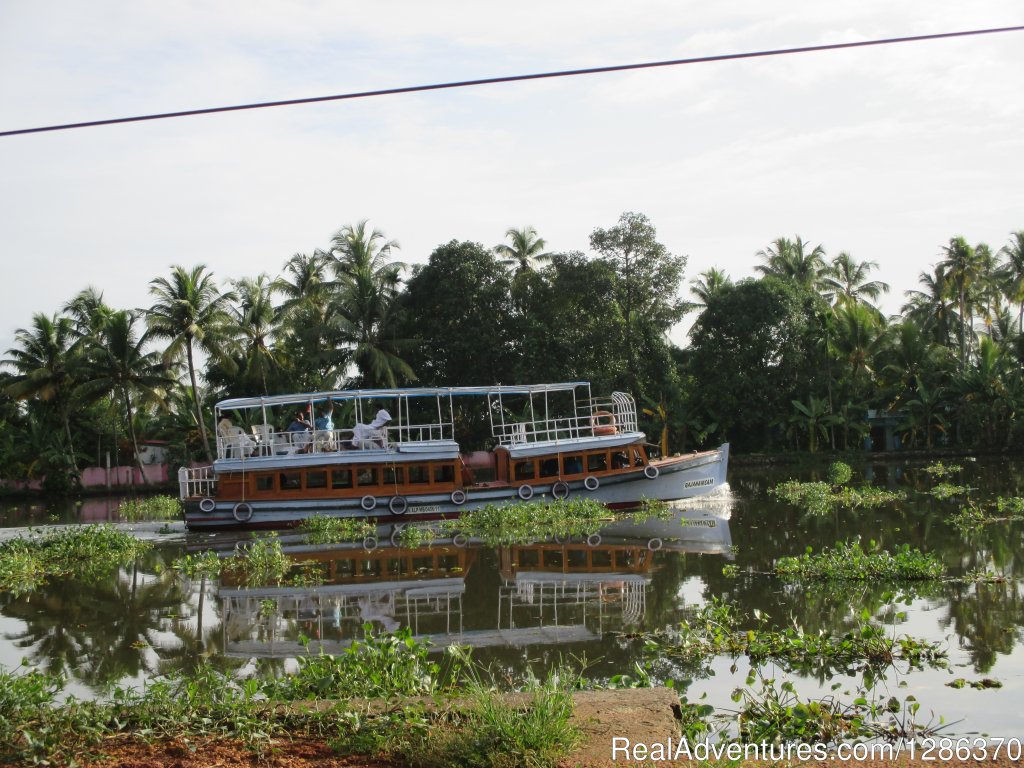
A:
(534, 730)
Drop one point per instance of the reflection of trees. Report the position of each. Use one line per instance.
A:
(987, 618)
(100, 631)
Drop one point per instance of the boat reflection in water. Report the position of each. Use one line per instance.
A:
(550, 592)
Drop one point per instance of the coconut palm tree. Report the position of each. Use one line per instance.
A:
(365, 304)
(847, 279)
(88, 312)
(47, 364)
(192, 314)
(256, 321)
(932, 308)
(526, 249)
(118, 366)
(792, 261)
(962, 269)
(708, 283)
(1013, 273)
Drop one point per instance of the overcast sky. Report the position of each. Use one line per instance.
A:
(883, 152)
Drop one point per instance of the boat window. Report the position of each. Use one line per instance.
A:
(264, 482)
(600, 558)
(419, 473)
(421, 565)
(597, 462)
(344, 567)
(316, 478)
(448, 563)
(395, 566)
(367, 476)
(393, 476)
(577, 559)
(372, 567)
(624, 558)
(341, 478)
(549, 467)
(529, 558)
(620, 459)
(638, 457)
(553, 558)
(291, 481)
(444, 473)
(572, 465)
(524, 470)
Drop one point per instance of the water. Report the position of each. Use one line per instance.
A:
(532, 606)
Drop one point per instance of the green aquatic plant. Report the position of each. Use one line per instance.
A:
(531, 521)
(150, 508)
(819, 498)
(320, 529)
(940, 470)
(839, 473)
(197, 565)
(88, 552)
(946, 491)
(850, 561)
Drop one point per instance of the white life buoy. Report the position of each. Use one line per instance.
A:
(458, 497)
(655, 544)
(368, 502)
(460, 539)
(525, 492)
(370, 543)
(242, 512)
(591, 483)
(593, 539)
(396, 534)
(207, 504)
(651, 472)
(560, 490)
(398, 505)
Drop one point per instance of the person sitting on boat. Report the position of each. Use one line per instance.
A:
(374, 434)
(300, 430)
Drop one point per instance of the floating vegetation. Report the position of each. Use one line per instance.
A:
(260, 562)
(978, 685)
(940, 470)
(946, 491)
(320, 529)
(849, 561)
(150, 508)
(1012, 506)
(87, 552)
(717, 630)
(531, 521)
(194, 566)
(820, 498)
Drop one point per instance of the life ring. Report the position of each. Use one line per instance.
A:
(560, 490)
(460, 539)
(396, 535)
(651, 472)
(370, 543)
(368, 502)
(655, 544)
(603, 423)
(525, 492)
(591, 483)
(207, 504)
(398, 505)
(242, 512)
(593, 539)
(458, 497)
(560, 538)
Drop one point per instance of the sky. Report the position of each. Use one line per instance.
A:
(883, 152)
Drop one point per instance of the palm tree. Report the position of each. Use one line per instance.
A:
(962, 269)
(88, 312)
(931, 308)
(304, 281)
(1013, 273)
(526, 249)
(708, 284)
(365, 301)
(47, 365)
(847, 279)
(790, 260)
(119, 366)
(192, 314)
(857, 340)
(256, 322)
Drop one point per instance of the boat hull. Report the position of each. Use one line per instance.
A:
(680, 477)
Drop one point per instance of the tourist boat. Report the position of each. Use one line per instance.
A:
(543, 441)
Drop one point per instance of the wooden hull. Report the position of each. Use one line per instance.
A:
(680, 477)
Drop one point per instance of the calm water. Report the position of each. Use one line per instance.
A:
(534, 605)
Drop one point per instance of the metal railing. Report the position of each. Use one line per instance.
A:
(598, 417)
(264, 441)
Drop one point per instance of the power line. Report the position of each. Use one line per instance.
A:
(511, 79)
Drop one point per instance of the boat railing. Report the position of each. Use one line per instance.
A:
(196, 482)
(264, 441)
(598, 417)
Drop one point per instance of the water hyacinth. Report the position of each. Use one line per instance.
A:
(850, 561)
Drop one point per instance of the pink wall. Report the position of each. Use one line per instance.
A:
(96, 477)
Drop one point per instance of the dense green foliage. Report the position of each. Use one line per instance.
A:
(850, 561)
(798, 358)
